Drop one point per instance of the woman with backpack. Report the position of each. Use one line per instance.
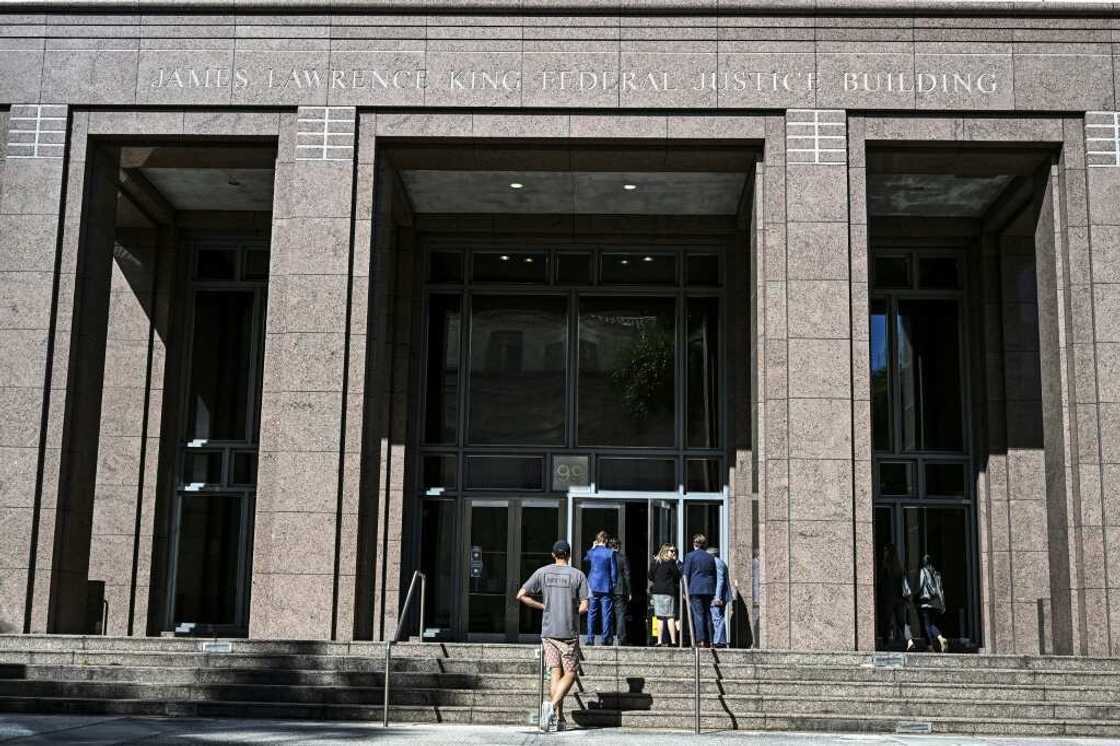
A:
(931, 602)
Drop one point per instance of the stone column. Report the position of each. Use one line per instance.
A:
(1100, 533)
(814, 359)
(32, 185)
(296, 591)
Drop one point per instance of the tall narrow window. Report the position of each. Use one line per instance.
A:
(626, 371)
(703, 373)
(929, 375)
(517, 370)
(445, 317)
(881, 434)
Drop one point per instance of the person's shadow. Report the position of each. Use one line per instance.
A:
(605, 711)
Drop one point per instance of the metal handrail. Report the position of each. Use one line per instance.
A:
(543, 727)
(686, 608)
(396, 634)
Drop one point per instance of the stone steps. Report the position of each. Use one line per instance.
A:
(633, 687)
(886, 684)
(711, 719)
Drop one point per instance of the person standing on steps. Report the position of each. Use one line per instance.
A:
(602, 578)
(720, 602)
(931, 602)
(664, 590)
(896, 596)
(563, 592)
(622, 593)
(700, 571)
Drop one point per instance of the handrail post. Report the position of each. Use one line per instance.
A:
(396, 633)
(540, 687)
(695, 652)
(385, 684)
(423, 596)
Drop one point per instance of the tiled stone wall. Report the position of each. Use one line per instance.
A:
(295, 588)
(210, 58)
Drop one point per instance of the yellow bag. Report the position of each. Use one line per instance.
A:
(655, 628)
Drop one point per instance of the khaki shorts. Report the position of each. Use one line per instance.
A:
(562, 654)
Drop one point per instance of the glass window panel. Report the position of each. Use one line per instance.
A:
(208, 555)
(573, 269)
(445, 267)
(540, 528)
(256, 265)
(703, 270)
(244, 468)
(938, 273)
(518, 369)
(438, 561)
(929, 375)
(701, 518)
(658, 474)
(202, 467)
(881, 430)
(592, 520)
(505, 472)
(944, 480)
(703, 426)
(487, 599)
(511, 266)
(895, 479)
(440, 473)
(892, 272)
(442, 404)
(216, 264)
(638, 269)
(702, 475)
(221, 359)
(626, 371)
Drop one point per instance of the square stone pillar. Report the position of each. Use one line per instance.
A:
(30, 206)
(809, 513)
(1100, 368)
(301, 513)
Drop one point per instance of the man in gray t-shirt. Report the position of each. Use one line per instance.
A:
(563, 592)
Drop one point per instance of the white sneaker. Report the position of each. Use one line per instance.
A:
(548, 716)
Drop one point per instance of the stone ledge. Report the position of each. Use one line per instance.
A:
(631, 7)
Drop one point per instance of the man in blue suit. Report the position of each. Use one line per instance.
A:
(700, 570)
(602, 579)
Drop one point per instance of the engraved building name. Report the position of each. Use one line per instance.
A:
(373, 80)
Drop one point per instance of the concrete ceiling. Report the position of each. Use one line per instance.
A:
(226, 189)
(933, 195)
(574, 192)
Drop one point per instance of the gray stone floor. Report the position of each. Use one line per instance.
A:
(32, 729)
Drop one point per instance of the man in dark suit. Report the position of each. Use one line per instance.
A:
(700, 570)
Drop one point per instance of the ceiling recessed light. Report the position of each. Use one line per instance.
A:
(629, 187)
(624, 261)
(528, 260)
(504, 257)
(516, 185)
(647, 259)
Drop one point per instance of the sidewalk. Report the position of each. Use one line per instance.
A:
(41, 729)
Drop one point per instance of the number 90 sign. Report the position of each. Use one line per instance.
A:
(570, 471)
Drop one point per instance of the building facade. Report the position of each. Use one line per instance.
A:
(296, 303)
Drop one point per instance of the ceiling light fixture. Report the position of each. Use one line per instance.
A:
(648, 259)
(516, 185)
(528, 260)
(504, 257)
(624, 261)
(629, 187)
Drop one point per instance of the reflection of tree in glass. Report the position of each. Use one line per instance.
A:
(644, 379)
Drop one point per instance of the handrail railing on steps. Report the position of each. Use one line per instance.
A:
(687, 609)
(396, 634)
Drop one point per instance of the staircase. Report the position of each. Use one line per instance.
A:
(497, 684)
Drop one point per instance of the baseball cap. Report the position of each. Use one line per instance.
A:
(561, 547)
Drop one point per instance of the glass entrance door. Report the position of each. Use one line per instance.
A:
(508, 540)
